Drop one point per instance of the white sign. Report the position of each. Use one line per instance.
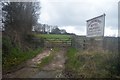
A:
(95, 26)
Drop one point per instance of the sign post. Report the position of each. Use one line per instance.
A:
(95, 30)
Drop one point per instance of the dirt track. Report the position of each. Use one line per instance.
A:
(55, 68)
(51, 70)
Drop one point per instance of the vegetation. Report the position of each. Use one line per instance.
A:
(17, 27)
(72, 62)
(0, 59)
(48, 58)
(17, 43)
(13, 55)
(92, 64)
(55, 39)
(53, 36)
(0, 51)
(56, 31)
(28, 15)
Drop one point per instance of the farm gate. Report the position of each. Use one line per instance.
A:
(58, 42)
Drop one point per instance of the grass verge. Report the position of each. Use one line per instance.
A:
(91, 64)
(13, 55)
(16, 57)
(72, 63)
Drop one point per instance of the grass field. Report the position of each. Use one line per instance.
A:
(56, 39)
(53, 36)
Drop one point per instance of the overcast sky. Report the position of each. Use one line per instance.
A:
(72, 14)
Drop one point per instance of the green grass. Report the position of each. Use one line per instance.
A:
(12, 55)
(72, 62)
(53, 36)
(45, 61)
(17, 57)
(48, 59)
(92, 64)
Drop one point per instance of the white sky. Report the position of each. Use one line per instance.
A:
(72, 14)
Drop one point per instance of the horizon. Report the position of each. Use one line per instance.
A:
(54, 12)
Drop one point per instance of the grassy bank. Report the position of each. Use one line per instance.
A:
(16, 58)
(72, 63)
(91, 64)
(13, 55)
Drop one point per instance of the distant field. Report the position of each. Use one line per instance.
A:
(56, 39)
(53, 36)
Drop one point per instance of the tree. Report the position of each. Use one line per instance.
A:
(63, 31)
(56, 31)
(19, 17)
(38, 28)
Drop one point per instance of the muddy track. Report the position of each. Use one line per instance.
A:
(51, 70)
(55, 68)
